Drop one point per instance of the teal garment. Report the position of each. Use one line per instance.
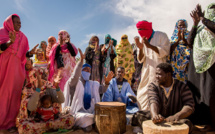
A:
(106, 69)
(114, 94)
(204, 44)
(107, 40)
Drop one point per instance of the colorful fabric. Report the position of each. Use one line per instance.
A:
(32, 127)
(86, 65)
(107, 63)
(125, 58)
(180, 57)
(95, 74)
(204, 44)
(113, 93)
(87, 89)
(146, 29)
(41, 43)
(68, 61)
(42, 63)
(47, 113)
(49, 47)
(25, 121)
(12, 73)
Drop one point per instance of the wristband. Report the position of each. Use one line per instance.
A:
(58, 89)
(194, 26)
(38, 90)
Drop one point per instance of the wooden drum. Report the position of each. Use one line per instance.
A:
(110, 117)
(164, 128)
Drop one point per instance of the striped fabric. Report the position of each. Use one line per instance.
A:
(180, 96)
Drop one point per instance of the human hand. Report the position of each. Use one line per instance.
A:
(12, 36)
(137, 42)
(82, 56)
(38, 75)
(109, 77)
(199, 10)
(33, 51)
(133, 98)
(111, 43)
(179, 34)
(195, 17)
(183, 36)
(172, 119)
(57, 78)
(157, 118)
(145, 41)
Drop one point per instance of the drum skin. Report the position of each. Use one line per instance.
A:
(110, 117)
(164, 128)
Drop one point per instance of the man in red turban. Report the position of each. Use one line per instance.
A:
(152, 50)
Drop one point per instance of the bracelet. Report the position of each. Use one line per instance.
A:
(38, 90)
(194, 26)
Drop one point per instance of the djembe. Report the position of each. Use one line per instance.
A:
(164, 128)
(110, 117)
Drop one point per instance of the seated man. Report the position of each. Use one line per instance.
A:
(120, 90)
(169, 99)
(81, 94)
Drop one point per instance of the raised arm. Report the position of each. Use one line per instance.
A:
(103, 87)
(73, 80)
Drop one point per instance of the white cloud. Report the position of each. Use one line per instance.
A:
(22, 6)
(162, 13)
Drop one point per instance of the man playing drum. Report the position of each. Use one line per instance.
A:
(169, 99)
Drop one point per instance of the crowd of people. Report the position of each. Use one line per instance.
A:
(158, 78)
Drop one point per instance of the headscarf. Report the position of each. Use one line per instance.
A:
(147, 29)
(63, 49)
(204, 44)
(125, 57)
(87, 88)
(106, 38)
(20, 45)
(114, 42)
(40, 63)
(175, 32)
(92, 44)
(41, 43)
(49, 47)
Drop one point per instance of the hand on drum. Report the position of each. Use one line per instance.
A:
(172, 119)
(157, 119)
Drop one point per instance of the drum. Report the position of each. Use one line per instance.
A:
(164, 128)
(110, 117)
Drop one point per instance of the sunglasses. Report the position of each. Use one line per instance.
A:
(124, 38)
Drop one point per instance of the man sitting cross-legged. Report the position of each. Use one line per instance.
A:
(81, 94)
(169, 99)
(120, 90)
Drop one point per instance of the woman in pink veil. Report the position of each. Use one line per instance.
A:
(62, 56)
(13, 49)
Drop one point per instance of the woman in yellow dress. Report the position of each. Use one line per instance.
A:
(125, 57)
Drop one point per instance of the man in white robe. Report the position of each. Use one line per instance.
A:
(151, 51)
(81, 94)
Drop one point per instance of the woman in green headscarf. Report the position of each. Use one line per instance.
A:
(201, 71)
(111, 54)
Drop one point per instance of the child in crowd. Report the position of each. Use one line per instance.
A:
(46, 111)
(40, 61)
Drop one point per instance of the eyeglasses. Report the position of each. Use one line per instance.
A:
(124, 38)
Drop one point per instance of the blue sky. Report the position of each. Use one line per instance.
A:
(84, 18)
